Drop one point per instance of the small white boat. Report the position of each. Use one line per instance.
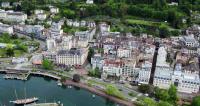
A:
(93, 96)
(24, 101)
(59, 83)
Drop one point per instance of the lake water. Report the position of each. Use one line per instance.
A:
(47, 91)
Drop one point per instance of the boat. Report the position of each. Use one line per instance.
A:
(24, 101)
(93, 96)
(59, 83)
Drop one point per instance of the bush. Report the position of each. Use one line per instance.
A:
(76, 78)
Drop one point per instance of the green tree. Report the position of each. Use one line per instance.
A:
(76, 78)
(196, 101)
(144, 88)
(90, 54)
(164, 103)
(161, 94)
(112, 90)
(149, 102)
(47, 64)
(173, 94)
(9, 51)
(164, 31)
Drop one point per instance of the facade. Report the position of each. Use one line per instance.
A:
(39, 12)
(71, 57)
(51, 44)
(6, 29)
(16, 17)
(113, 67)
(41, 16)
(89, 2)
(123, 53)
(5, 4)
(54, 10)
(185, 82)
(189, 41)
(97, 61)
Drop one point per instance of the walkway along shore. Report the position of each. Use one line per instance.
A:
(90, 89)
(99, 92)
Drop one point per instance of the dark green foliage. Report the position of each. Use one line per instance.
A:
(47, 64)
(196, 101)
(76, 78)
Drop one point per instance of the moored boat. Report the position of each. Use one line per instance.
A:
(24, 101)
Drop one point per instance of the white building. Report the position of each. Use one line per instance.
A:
(72, 57)
(189, 41)
(89, 2)
(55, 31)
(123, 53)
(185, 82)
(3, 14)
(19, 60)
(113, 67)
(41, 16)
(6, 29)
(5, 4)
(16, 17)
(144, 73)
(97, 61)
(66, 43)
(161, 57)
(39, 12)
(51, 44)
(54, 10)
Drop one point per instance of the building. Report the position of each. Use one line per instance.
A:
(97, 61)
(5, 4)
(189, 41)
(16, 17)
(66, 43)
(89, 2)
(41, 16)
(19, 60)
(54, 10)
(185, 82)
(55, 31)
(72, 57)
(3, 14)
(39, 12)
(123, 53)
(51, 44)
(113, 67)
(6, 29)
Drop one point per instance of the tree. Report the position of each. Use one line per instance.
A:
(76, 78)
(164, 31)
(10, 52)
(149, 102)
(163, 103)
(144, 88)
(112, 90)
(63, 79)
(90, 54)
(196, 101)
(95, 73)
(173, 94)
(47, 64)
(161, 94)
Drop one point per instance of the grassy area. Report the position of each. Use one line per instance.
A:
(145, 23)
(98, 83)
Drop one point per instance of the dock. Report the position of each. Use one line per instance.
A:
(43, 104)
(17, 76)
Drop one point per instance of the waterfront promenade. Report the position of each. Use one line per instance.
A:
(99, 92)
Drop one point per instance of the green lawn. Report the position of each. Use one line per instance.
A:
(143, 22)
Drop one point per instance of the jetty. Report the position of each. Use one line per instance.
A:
(43, 104)
(18, 76)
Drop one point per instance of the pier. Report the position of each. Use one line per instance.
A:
(43, 104)
(17, 76)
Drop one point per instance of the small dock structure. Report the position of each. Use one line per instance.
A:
(44, 104)
(18, 76)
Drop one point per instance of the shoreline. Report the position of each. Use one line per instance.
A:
(90, 89)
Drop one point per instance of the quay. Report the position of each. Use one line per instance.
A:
(17, 76)
(43, 104)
